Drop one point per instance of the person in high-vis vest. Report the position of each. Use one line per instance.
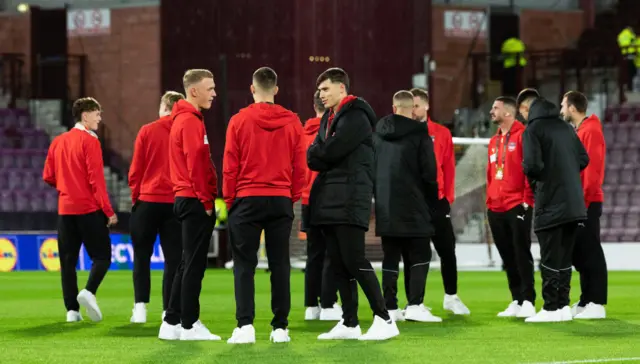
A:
(513, 60)
(628, 47)
(221, 212)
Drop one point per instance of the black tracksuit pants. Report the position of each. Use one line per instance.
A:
(589, 260)
(511, 232)
(556, 251)
(74, 230)
(345, 245)
(318, 277)
(416, 254)
(148, 220)
(248, 217)
(196, 229)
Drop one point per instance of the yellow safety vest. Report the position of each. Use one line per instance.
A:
(636, 59)
(221, 211)
(512, 50)
(626, 39)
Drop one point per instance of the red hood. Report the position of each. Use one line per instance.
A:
(270, 116)
(311, 126)
(166, 121)
(183, 107)
(591, 120)
(517, 126)
(344, 101)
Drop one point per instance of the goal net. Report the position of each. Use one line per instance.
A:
(468, 216)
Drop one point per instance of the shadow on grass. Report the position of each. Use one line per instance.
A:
(611, 328)
(50, 329)
(134, 330)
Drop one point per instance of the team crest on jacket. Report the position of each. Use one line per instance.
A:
(512, 146)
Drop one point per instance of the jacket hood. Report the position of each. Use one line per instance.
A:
(516, 126)
(360, 104)
(543, 109)
(184, 107)
(270, 116)
(393, 127)
(311, 126)
(591, 120)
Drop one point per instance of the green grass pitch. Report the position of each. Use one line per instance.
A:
(32, 328)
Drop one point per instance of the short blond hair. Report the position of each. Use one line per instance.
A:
(403, 99)
(194, 76)
(170, 98)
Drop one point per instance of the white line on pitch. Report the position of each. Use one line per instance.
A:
(606, 360)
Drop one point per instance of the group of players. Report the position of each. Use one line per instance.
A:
(336, 164)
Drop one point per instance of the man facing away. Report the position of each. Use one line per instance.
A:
(509, 205)
(406, 190)
(194, 181)
(74, 167)
(588, 256)
(340, 203)
(553, 157)
(152, 212)
(264, 174)
(444, 239)
(318, 277)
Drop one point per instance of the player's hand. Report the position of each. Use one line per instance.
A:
(209, 212)
(113, 220)
(525, 206)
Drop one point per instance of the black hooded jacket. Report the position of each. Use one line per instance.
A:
(406, 187)
(342, 192)
(553, 157)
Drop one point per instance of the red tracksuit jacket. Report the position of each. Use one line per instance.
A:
(149, 175)
(591, 135)
(192, 171)
(264, 154)
(74, 167)
(310, 131)
(513, 190)
(445, 160)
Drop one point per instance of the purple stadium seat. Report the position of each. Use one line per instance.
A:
(609, 134)
(7, 158)
(616, 221)
(24, 120)
(29, 179)
(42, 140)
(632, 221)
(634, 131)
(616, 156)
(627, 175)
(37, 158)
(37, 201)
(622, 134)
(8, 118)
(6, 201)
(624, 115)
(23, 201)
(4, 180)
(22, 158)
(604, 221)
(632, 154)
(609, 114)
(621, 201)
(611, 175)
(51, 200)
(15, 179)
(634, 201)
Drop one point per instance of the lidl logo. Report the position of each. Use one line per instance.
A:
(8, 255)
(49, 255)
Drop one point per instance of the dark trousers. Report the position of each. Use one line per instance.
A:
(589, 260)
(318, 277)
(148, 220)
(196, 229)
(632, 70)
(345, 245)
(416, 254)
(74, 230)
(248, 217)
(511, 232)
(556, 250)
(444, 242)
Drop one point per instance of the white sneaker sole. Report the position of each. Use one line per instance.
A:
(93, 311)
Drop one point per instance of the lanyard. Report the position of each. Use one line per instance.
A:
(500, 161)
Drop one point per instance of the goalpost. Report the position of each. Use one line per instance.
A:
(474, 245)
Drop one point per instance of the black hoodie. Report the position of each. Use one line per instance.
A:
(343, 156)
(406, 188)
(553, 157)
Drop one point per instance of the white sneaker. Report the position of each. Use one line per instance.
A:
(331, 314)
(280, 336)
(169, 332)
(164, 313)
(139, 315)
(87, 300)
(545, 316)
(73, 316)
(526, 310)
(312, 313)
(576, 309)
(511, 311)
(198, 332)
(341, 332)
(243, 335)
(565, 314)
(419, 313)
(454, 304)
(381, 330)
(396, 315)
(592, 312)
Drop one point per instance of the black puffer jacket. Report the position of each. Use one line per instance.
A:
(342, 192)
(406, 187)
(553, 157)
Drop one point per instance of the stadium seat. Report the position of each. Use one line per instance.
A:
(627, 175)
(22, 200)
(7, 158)
(37, 158)
(22, 158)
(15, 179)
(29, 179)
(609, 134)
(611, 175)
(622, 134)
(4, 180)
(617, 221)
(51, 200)
(6, 201)
(616, 156)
